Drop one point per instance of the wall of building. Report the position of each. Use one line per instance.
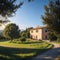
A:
(39, 33)
(44, 34)
(36, 34)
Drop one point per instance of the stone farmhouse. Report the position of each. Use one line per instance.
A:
(39, 33)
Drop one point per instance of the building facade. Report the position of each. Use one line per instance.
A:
(39, 33)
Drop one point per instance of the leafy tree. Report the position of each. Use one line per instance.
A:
(52, 36)
(26, 33)
(52, 16)
(11, 31)
(23, 34)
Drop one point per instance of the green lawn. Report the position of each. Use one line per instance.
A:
(58, 42)
(15, 51)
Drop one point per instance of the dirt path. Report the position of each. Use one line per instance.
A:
(49, 55)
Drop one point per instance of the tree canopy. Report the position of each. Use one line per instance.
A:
(26, 33)
(11, 31)
(52, 16)
(9, 7)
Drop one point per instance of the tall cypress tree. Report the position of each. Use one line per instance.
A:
(52, 16)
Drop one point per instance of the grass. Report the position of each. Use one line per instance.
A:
(25, 50)
(57, 42)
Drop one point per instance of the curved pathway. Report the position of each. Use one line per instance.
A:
(50, 54)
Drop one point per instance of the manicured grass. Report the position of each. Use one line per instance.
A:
(58, 42)
(25, 50)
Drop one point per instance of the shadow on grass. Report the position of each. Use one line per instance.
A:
(27, 42)
(3, 40)
(10, 52)
(49, 55)
(30, 42)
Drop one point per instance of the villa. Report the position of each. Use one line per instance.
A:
(39, 33)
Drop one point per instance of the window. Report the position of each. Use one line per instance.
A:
(36, 30)
(36, 37)
(45, 30)
(32, 31)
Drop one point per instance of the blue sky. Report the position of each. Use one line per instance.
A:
(29, 15)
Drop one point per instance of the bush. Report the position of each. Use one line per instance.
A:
(22, 39)
(2, 38)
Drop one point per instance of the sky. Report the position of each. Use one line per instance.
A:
(29, 15)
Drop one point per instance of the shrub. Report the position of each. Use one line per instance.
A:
(2, 38)
(22, 39)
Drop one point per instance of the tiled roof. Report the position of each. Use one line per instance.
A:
(39, 27)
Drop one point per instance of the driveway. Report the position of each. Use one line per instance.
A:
(50, 54)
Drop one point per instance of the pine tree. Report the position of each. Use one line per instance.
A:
(8, 8)
(52, 16)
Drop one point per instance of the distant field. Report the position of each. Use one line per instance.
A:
(26, 50)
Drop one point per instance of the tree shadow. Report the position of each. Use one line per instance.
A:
(11, 52)
(3, 40)
(30, 42)
(49, 55)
